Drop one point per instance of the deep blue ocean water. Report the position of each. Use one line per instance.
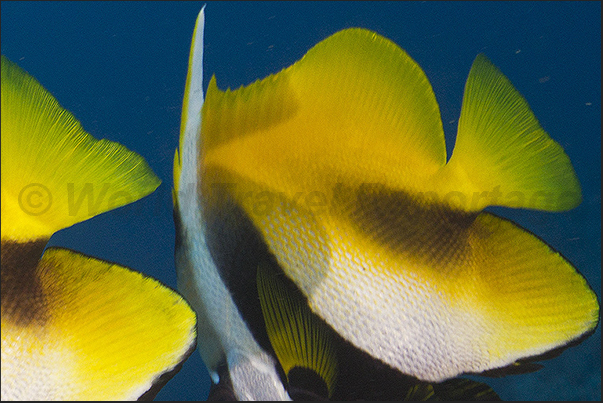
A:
(120, 67)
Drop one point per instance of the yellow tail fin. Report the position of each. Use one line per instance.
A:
(54, 174)
(502, 155)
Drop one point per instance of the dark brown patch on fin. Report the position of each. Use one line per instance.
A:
(23, 301)
(423, 231)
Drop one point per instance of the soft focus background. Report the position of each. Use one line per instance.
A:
(120, 67)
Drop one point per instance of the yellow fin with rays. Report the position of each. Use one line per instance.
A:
(98, 331)
(502, 153)
(379, 105)
(54, 174)
(298, 337)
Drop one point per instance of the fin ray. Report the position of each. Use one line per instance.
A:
(297, 336)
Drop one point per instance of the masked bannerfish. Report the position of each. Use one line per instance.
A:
(318, 221)
(75, 327)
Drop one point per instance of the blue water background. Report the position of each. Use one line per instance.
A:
(120, 67)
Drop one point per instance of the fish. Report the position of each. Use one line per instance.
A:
(75, 327)
(332, 177)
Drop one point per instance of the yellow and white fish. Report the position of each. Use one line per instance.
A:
(75, 327)
(331, 176)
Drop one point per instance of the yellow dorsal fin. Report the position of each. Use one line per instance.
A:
(98, 331)
(353, 98)
(54, 174)
(247, 110)
(298, 337)
(502, 153)
(377, 88)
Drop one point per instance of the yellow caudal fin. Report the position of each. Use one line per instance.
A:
(302, 343)
(54, 174)
(502, 155)
(93, 330)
